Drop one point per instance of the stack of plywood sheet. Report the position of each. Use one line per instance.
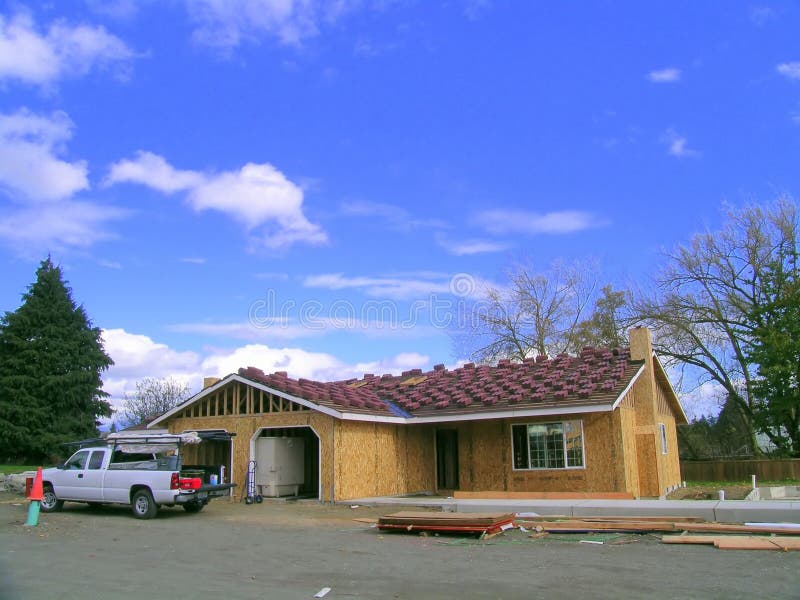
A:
(480, 523)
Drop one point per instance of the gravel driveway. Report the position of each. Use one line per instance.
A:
(280, 550)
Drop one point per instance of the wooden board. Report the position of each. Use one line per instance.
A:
(662, 519)
(627, 526)
(737, 528)
(737, 542)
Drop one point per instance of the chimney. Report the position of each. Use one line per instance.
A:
(640, 343)
(209, 381)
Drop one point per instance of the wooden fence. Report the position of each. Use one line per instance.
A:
(740, 470)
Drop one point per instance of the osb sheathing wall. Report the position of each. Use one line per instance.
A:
(485, 460)
(669, 467)
(379, 459)
(244, 426)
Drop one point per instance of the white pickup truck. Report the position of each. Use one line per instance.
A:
(142, 471)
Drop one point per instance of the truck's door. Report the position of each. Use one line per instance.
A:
(91, 484)
(68, 485)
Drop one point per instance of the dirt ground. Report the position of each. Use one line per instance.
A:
(711, 492)
(288, 550)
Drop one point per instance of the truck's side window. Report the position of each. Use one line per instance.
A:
(78, 461)
(96, 461)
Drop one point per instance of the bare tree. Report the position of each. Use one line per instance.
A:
(537, 314)
(153, 397)
(702, 300)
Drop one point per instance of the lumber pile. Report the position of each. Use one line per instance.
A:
(725, 536)
(738, 542)
(653, 525)
(480, 523)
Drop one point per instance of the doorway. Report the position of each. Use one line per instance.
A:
(446, 459)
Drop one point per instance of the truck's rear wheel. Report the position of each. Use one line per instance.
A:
(50, 502)
(193, 507)
(143, 505)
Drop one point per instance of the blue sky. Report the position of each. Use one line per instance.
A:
(296, 184)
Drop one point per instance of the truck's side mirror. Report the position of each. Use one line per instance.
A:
(61, 466)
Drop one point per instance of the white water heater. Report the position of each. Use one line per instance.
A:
(280, 465)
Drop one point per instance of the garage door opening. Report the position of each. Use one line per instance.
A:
(212, 455)
(287, 462)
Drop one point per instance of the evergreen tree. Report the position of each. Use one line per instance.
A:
(51, 359)
(775, 349)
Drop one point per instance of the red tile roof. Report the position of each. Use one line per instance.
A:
(596, 376)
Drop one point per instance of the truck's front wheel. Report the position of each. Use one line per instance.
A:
(50, 502)
(143, 505)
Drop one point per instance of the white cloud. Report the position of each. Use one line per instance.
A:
(503, 221)
(193, 260)
(42, 214)
(474, 9)
(276, 329)
(761, 15)
(352, 319)
(229, 23)
(790, 70)
(678, 145)
(668, 75)
(382, 287)
(258, 195)
(57, 226)
(109, 264)
(64, 50)
(397, 217)
(138, 356)
(29, 163)
(298, 363)
(471, 246)
(153, 171)
(116, 9)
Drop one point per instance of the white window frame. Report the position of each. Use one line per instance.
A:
(664, 447)
(565, 467)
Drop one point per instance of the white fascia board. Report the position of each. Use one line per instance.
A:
(504, 414)
(621, 397)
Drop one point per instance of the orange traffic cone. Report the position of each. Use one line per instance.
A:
(36, 496)
(37, 491)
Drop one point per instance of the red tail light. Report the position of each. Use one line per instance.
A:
(174, 483)
(190, 483)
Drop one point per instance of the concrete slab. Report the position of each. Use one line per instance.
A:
(730, 511)
(763, 511)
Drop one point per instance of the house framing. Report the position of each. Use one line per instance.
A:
(601, 422)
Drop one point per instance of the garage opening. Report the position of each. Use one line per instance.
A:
(212, 455)
(287, 462)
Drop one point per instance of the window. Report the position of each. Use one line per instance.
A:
(663, 429)
(96, 461)
(78, 461)
(548, 445)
